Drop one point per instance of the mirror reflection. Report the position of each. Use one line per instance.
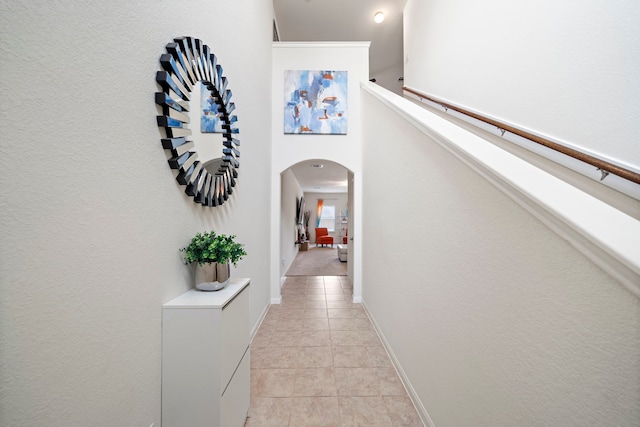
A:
(205, 119)
(213, 166)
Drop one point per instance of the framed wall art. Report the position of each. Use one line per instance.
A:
(315, 102)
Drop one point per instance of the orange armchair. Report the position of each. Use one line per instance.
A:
(322, 237)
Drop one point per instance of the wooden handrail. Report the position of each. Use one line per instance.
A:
(594, 161)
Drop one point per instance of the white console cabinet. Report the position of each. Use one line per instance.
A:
(205, 357)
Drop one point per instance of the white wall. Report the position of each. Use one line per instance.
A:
(350, 222)
(617, 192)
(92, 215)
(565, 70)
(388, 78)
(494, 318)
(290, 194)
(291, 149)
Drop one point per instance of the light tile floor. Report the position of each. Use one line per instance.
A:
(317, 361)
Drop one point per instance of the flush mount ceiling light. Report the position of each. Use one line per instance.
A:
(378, 17)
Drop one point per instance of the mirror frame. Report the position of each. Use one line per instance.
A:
(186, 62)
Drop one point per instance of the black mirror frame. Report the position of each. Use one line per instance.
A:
(187, 62)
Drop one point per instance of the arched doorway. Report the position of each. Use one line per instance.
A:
(313, 180)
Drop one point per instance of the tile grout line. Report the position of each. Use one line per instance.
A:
(333, 344)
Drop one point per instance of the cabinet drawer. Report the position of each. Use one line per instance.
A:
(234, 404)
(235, 331)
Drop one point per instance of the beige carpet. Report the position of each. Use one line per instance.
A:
(318, 261)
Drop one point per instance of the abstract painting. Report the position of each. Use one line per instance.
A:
(315, 102)
(210, 120)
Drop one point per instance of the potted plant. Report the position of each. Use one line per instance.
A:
(212, 255)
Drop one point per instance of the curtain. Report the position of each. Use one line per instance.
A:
(319, 212)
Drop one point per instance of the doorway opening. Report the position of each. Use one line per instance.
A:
(316, 198)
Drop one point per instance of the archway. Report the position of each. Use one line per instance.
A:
(314, 179)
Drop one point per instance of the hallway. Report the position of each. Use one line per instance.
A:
(316, 360)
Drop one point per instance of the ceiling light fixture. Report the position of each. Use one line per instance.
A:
(378, 17)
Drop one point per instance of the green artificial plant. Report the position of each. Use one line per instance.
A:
(211, 247)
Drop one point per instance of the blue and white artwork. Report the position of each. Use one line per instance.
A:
(210, 121)
(315, 102)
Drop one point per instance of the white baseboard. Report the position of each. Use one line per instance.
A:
(422, 411)
(256, 326)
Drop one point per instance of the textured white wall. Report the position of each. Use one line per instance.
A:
(92, 217)
(567, 70)
(291, 149)
(494, 318)
(290, 193)
(352, 213)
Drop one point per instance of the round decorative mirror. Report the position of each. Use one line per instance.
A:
(187, 65)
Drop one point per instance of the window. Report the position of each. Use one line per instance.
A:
(328, 218)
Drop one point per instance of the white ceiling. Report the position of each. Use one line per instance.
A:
(341, 20)
(331, 178)
(345, 20)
